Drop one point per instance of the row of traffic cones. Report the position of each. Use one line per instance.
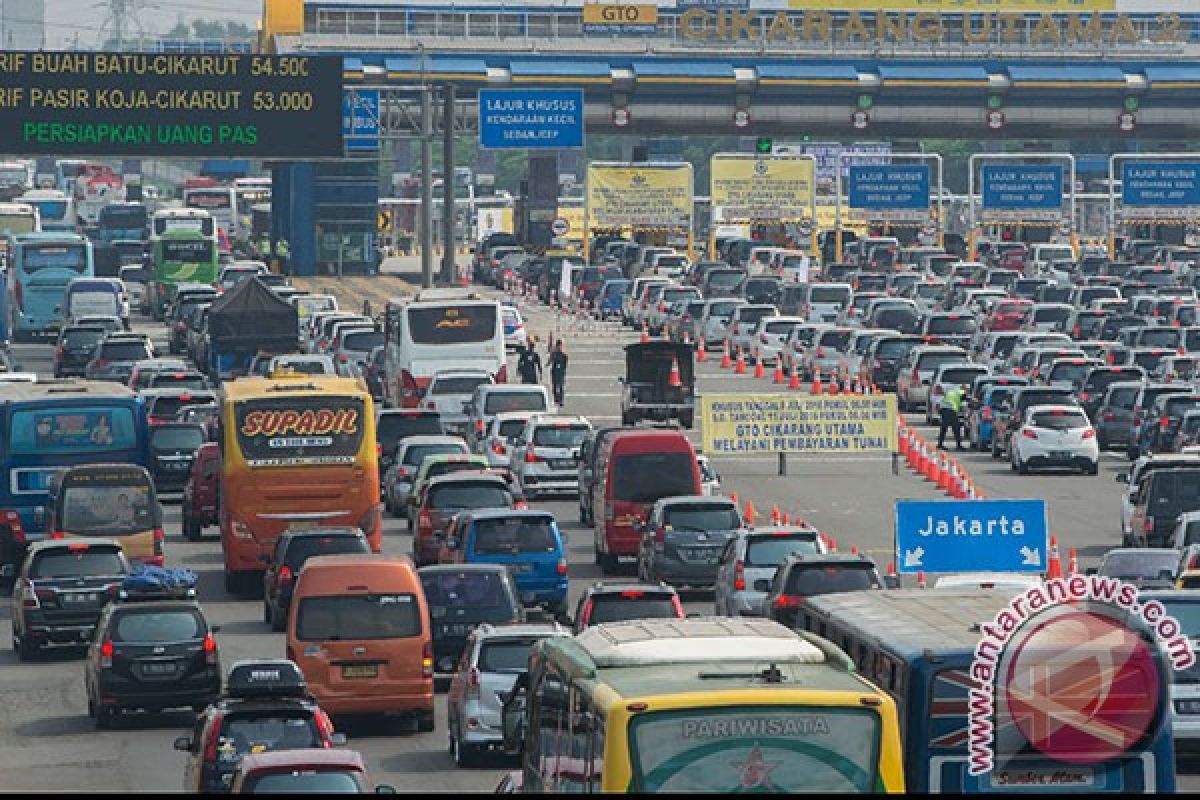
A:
(936, 466)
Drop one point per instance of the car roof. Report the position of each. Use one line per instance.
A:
(301, 757)
(615, 587)
(505, 513)
(559, 419)
(474, 566)
(694, 498)
(488, 630)
(467, 476)
(63, 544)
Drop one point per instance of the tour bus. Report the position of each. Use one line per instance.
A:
(116, 501)
(42, 266)
(298, 451)
(700, 705)
(219, 201)
(19, 218)
(183, 249)
(919, 645)
(52, 424)
(441, 329)
(122, 222)
(248, 192)
(56, 209)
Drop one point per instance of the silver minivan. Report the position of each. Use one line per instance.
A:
(824, 302)
(491, 399)
(748, 565)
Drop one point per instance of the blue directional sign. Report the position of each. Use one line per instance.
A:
(891, 187)
(360, 119)
(1020, 187)
(530, 118)
(971, 536)
(1160, 183)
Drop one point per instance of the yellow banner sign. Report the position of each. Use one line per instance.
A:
(956, 6)
(639, 195)
(751, 188)
(619, 14)
(739, 424)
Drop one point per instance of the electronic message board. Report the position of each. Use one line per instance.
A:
(153, 104)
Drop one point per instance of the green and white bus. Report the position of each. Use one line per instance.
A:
(183, 246)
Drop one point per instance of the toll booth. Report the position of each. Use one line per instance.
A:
(327, 211)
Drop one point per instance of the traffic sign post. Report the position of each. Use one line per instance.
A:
(560, 227)
(1014, 187)
(530, 119)
(892, 193)
(971, 536)
(360, 120)
(1161, 188)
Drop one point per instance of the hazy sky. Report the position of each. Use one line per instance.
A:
(67, 18)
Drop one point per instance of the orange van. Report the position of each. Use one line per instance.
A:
(634, 468)
(358, 628)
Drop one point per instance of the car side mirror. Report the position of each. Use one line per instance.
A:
(183, 743)
(1120, 477)
(338, 739)
(762, 585)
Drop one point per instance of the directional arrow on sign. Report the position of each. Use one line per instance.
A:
(1032, 557)
(912, 558)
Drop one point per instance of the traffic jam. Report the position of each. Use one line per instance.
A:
(507, 529)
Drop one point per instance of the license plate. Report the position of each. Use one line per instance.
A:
(1061, 455)
(562, 463)
(520, 567)
(1187, 706)
(454, 630)
(360, 671)
(158, 668)
(700, 553)
(79, 598)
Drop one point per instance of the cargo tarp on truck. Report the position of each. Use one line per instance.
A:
(246, 320)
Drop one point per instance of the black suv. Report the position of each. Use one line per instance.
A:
(60, 591)
(803, 575)
(292, 549)
(266, 707)
(606, 601)
(76, 344)
(461, 596)
(152, 651)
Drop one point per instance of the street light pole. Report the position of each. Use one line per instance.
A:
(449, 215)
(426, 237)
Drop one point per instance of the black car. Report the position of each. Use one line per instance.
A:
(393, 425)
(803, 575)
(883, 358)
(173, 447)
(292, 549)
(76, 344)
(152, 651)
(266, 707)
(606, 601)
(762, 289)
(60, 591)
(162, 405)
(461, 596)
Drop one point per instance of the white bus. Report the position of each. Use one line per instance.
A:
(440, 329)
(249, 192)
(220, 202)
(187, 219)
(55, 208)
(19, 218)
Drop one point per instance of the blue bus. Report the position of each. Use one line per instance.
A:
(52, 424)
(918, 645)
(42, 266)
(123, 222)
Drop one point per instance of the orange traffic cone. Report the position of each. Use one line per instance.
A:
(1072, 563)
(920, 580)
(794, 381)
(748, 513)
(816, 382)
(779, 379)
(759, 371)
(726, 361)
(931, 469)
(945, 479)
(853, 549)
(645, 333)
(847, 384)
(858, 389)
(739, 368)
(891, 569)
(832, 544)
(774, 515)
(783, 519)
(834, 388)
(1053, 563)
(902, 442)
(674, 379)
(701, 353)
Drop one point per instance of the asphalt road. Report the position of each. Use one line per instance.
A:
(49, 742)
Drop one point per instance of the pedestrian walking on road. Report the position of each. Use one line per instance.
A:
(950, 411)
(558, 372)
(529, 364)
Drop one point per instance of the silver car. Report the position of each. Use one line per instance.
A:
(493, 658)
(449, 390)
(543, 460)
(503, 432)
(748, 565)
(398, 480)
(714, 325)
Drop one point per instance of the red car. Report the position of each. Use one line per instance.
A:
(200, 495)
(304, 771)
(1008, 315)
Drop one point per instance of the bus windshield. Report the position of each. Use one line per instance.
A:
(291, 431)
(18, 223)
(763, 748)
(50, 209)
(54, 256)
(123, 218)
(110, 509)
(452, 324)
(210, 200)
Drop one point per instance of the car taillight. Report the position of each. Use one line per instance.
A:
(285, 574)
(210, 650)
(986, 414)
(1164, 422)
(677, 604)
(498, 447)
(101, 362)
(324, 727)
(30, 598)
(427, 659)
(424, 520)
(1108, 416)
(1028, 434)
(402, 472)
(916, 377)
(939, 389)
(532, 458)
(159, 537)
(561, 567)
(739, 575)
(762, 337)
(788, 601)
(1089, 433)
(106, 654)
(820, 352)
(1148, 525)
(585, 614)
(214, 738)
(478, 426)
(58, 352)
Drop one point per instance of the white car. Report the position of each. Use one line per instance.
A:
(515, 336)
(544, 459)
(304, 363)
(742, 324)
(710, 481)
(1055, 436)
(497, 441)
(656, 316)
(133, 277)
(768, 338)
(945, 377)
(714, 324)
(448, 390)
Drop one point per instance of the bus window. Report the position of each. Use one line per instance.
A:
(452, 325)
(75, 430)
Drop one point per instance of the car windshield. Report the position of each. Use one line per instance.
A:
(829, 294)
(305, 781)
(559, 435)
(1059, 420)
(513, 535)
(724, 279)
(469, 495)
(835, 339)
(722, 310)
(177, 437)
(390, 428)
(257, 733)
(1149, 360)
(953, 324)
(457, 384)
(454, 589)
(1123, 396)
(1140, 565)
(815, 579)
(302, 548)
(708, 517)
(362, 340)
(1072, 373)
(365, 616)
(499, 402)
(146, 625)
(74, 338)
(770, 551)
(959, 375)
(510, 427)
(895, 349)
(633, 604)
(645, 477)
(415, 454)
(77, 563)
(123, 351)
(1165, 337)
(505, 655)
(931, 361)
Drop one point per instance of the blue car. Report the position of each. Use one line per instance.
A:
(528, 543)
(980, 418)
(610, 296)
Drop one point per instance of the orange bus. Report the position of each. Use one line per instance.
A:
(297, 451)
